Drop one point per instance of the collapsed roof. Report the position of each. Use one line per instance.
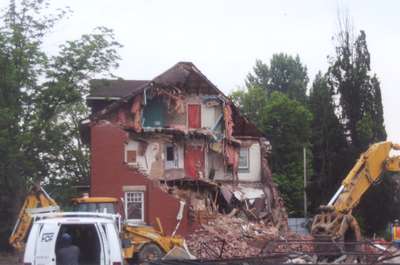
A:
(184, 75)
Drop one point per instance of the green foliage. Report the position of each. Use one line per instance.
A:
(285, 74)
(329, 145)
(274, 99)
(286, 123)
(349, 76)
(251, 102)
(42, 102)
(360, 96)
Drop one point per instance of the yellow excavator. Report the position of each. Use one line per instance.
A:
(37, 201)
(335, 221)
(140, 242)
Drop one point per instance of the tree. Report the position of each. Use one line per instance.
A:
(274, 99)
(359, 92)
(41, 103)
(286, 123)
(329, 144)
(361, 110)
(285, 74)
(251, 102)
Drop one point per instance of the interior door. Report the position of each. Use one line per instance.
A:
(194, 160)
(194, 116)
(45, 252)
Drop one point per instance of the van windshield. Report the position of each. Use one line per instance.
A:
(95, 207)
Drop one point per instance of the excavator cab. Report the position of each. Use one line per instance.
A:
(95, 204)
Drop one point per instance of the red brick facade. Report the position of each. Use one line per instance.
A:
(109, 174)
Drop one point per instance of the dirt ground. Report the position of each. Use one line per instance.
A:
(8, 259)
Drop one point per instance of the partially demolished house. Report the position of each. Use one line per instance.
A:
(176, 148)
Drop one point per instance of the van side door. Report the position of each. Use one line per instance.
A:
(116, 252)
(104, 244)
(46, 244)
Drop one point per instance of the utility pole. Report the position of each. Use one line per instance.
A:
(305, 181)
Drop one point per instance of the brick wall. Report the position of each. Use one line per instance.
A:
(109, 174)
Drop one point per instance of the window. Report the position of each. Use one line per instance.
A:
(134, 206)
(170, 153)
(171, 156)
(131, 156)
(244, 158)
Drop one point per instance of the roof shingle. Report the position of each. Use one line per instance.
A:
(105, 88)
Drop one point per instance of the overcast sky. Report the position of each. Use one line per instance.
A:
(224, 38)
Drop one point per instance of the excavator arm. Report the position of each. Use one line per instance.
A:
(37, 201)
(335, 220)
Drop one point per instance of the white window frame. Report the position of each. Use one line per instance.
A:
(247, 167)
(141, 220)
(170, 164)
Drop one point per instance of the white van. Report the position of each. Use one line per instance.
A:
(95, 234)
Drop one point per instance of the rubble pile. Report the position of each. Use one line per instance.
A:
(227, 237)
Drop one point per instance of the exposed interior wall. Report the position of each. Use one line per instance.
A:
(254, 171)
(151, 158)
(216, 161)
(162, 115)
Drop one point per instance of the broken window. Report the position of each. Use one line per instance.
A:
(134, 206)
(244, 158)
(171, 156)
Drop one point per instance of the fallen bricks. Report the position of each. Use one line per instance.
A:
(228, 237)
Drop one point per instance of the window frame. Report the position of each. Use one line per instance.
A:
(126, 157)
(126, 206)
(128, 148)
(247, 167)
(171, 164)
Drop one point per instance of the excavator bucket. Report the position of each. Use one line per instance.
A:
(335, 226)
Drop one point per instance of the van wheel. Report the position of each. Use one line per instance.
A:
(149, 252)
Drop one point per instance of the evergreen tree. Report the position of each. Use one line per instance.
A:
(350, 77)
(360, 95)
(328, 144)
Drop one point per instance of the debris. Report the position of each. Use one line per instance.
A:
(228, 121)
(230, 237)
(136, 110)
(178, 253)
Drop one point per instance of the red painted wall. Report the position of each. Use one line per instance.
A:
(109, 174)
